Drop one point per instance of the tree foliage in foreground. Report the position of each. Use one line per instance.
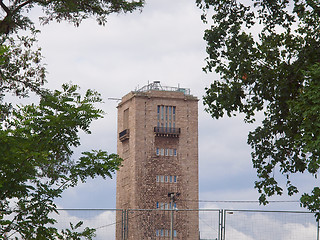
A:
(36, 145)
(15, 13)
(268, 56)
(22, 70)
(37, 140)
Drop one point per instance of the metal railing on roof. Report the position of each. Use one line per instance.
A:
(158, 87)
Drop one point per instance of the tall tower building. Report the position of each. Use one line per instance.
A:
(158, 141)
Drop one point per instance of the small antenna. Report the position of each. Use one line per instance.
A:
(114, 99)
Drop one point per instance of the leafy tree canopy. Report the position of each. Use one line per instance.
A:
(37, 140)
(268, 56)
(21, 69)
(36, 145)
(14, 13)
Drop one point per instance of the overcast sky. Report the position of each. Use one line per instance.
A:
(164, 42)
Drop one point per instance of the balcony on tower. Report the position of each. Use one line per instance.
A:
(166, 132)
(124, 135)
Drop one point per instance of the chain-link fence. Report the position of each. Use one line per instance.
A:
(205, 224)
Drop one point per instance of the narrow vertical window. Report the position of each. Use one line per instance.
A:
(162, 112)
(166, 113)
(126, 119)
(171, 179)
(167, 152)
(171, 152)
(166, 178)
(175, 179)
(162, 234)
(173, 113)
(175, 152)
(162, 152)
(162, 178)
(166, 118)
(158, 151)
(174, 233)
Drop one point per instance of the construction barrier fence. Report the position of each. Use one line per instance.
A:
(211, 224)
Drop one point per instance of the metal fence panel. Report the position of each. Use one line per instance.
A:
(266, 225)
(157, 224)
(212, 224)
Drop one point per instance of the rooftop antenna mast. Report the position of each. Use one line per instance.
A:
(114, 99)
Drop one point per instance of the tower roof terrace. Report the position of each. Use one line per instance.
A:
(156, 86)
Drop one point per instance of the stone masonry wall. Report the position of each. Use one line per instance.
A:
(137, 186)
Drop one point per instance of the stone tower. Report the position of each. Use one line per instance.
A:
(158, 182)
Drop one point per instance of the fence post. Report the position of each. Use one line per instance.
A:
(222, 223)
(124, 225)
(219, 227)
(127, 223)
(318, 227)
(121, 224)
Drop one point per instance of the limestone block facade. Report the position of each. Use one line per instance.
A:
(158, 141)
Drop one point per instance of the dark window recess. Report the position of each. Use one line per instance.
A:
(124, 135)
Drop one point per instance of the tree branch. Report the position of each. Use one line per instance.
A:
(4, 7)
(21, 5)
(6, 21)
